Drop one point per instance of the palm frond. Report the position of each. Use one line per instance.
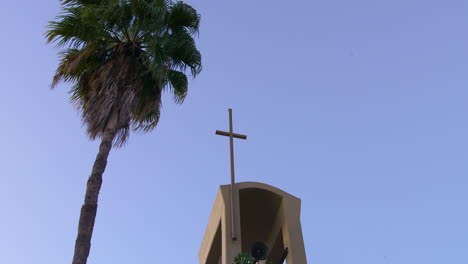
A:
(70, 29)
(147, 112)
(80, 2)
(181, 47)
(121, 55)
(76, 62)
(184, 16)
(179, 83)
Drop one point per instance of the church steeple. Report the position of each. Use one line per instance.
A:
(252, 217)
(267, 215)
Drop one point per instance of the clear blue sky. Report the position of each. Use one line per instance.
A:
(360, 108)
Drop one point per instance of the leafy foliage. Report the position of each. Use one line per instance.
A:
(245, 258)
(120, 55)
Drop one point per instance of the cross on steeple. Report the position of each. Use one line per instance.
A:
(231, 136)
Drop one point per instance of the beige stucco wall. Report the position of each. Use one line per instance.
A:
(287, 220)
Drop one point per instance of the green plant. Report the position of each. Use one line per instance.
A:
(245, 258)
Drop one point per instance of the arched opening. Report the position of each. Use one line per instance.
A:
(261, 220)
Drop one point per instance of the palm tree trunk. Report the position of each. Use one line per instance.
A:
(89, 207)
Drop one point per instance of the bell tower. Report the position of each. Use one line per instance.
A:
(252, 217)
(268, 218)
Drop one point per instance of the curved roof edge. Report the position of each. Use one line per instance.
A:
(264, 186)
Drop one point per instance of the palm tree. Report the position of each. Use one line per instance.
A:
(120, 55)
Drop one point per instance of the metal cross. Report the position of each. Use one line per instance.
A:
(231, 136)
